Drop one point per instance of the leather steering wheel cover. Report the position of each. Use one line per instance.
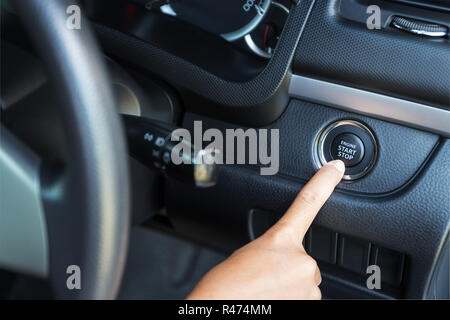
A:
(89, 221)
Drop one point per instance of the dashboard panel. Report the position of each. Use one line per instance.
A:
(325, 66)
(243, 87)
(299, 67)
(306, 67)
(388, 61)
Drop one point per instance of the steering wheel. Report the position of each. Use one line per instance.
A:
(69, 223)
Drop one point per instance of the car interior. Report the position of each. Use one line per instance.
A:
(92, 89)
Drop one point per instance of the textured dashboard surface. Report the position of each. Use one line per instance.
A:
(414, 222)
(401, 150)
(386, 61)
(182, 73)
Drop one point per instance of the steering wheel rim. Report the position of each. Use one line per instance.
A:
(86, 204)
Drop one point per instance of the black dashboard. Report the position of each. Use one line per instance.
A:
(309, 64)
(306, 68)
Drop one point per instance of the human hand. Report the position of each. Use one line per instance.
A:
(276, 266)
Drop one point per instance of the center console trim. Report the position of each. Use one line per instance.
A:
(372, 104)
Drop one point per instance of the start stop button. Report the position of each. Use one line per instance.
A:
(349, 141)
(349, 148)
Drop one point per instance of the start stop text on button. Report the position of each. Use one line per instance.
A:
(349, 148)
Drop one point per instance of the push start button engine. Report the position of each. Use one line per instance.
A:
(348, 148)
(349, 141)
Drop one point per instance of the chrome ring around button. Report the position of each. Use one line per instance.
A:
(319, 147)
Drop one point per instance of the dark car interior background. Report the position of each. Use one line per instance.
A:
(307, 68)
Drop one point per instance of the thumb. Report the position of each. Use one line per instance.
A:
(312, 197)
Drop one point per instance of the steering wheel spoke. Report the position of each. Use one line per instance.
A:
(23, 230)
(82, 209)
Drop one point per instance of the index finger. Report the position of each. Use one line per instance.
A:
(312, 197)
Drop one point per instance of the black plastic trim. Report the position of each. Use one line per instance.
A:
(264, 97)
(386, 61)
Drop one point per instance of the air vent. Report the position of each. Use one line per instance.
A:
(431, 18)
(419, 27)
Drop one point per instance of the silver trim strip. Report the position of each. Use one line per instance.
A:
(372, 104)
